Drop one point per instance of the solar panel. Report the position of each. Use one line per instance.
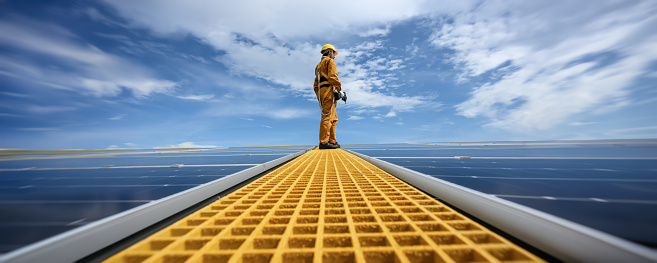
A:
(42, 196)
(606, 186)
(611, 187)
(141, 160)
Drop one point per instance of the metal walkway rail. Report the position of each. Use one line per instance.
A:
(326, 206)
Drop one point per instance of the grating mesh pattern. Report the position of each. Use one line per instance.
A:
(325, 206)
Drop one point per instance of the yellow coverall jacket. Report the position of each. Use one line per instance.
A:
(327, 73)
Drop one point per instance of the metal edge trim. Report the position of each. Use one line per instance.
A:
(77, 243)
(561, 238)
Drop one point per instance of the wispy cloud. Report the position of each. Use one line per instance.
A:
(552, 63)
(367, 78)
(126, 145)
(97, 16)
(117, 117)
(577, 123)
(635, 129)
(277, 52)
(17, 95)
(189, 145)
(379, 31)
(288, 113)
(36, 109)
(391, 114)
(96, 72)
(207, 97)
(114, 72)
(197, 58)
(261, 20)
(229, 108)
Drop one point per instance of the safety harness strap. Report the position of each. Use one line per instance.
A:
(320, 77)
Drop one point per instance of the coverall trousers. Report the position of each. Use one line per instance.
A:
(329, 119)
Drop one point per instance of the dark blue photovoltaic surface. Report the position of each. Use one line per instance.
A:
(558, 150)
(139, 161)
(54, 195)
(609, 187)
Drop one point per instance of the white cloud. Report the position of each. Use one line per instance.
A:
(289, 20)
(288, 113)
(376, 32)
(96, 73)
(189, 145)
(37, 109)
(581, 123)
(97, 16)
(197, 58)
(556, 60)
(652, 74)
(101, 88)
(363, 111)
(426, 127)
(269, 40)
(207, 97)
(634, 129)
(245, 99)
(634, 132)
(263, 108)
(354, 118)
(365, 86)
(117, 117)
(128, 145)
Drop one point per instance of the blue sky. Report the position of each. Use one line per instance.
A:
(145, 74)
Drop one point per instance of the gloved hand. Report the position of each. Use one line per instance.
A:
(340, 95)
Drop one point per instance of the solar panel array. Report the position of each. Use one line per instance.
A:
(42, 196)
(325, 206)
(607, 186)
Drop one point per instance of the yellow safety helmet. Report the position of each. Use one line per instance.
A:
(328, 46)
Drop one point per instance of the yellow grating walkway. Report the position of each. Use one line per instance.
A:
(325, 206)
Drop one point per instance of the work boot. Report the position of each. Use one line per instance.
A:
(336, 144)
(327, 145)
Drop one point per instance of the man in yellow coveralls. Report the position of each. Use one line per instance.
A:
(326, 81)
